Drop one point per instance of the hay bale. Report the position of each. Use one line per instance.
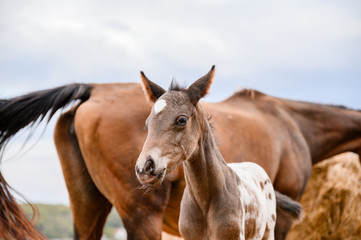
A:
(332, 201)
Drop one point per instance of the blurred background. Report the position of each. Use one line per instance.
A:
(302, 50)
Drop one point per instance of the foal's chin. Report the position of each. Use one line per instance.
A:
(152, 181)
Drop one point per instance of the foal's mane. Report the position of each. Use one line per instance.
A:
(175, 86)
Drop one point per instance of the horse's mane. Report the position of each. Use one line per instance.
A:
(320, 105)
(254, 94)
(341, 107)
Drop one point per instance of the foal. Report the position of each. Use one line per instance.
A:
(220, 201)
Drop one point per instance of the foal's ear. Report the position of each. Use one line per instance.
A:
(200, 87)
(152, 91)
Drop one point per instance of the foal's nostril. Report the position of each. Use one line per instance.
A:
(149, 165)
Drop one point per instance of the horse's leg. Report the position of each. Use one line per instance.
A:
(141, 212)
(283, 225)
(144, 226)
(89, 207)
(143, 215)
(292, 184)
(171, 214)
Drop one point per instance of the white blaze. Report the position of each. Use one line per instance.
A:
(159, 106)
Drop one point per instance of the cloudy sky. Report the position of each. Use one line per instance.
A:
(303, 50)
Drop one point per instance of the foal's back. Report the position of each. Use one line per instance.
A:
(258, 201)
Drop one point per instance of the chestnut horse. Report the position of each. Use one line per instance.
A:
(100, 138)
(235, 201)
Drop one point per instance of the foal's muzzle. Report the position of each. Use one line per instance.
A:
(148, 174)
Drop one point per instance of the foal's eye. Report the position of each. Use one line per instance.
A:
(182, 120)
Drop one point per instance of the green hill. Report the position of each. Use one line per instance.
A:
(55, 221)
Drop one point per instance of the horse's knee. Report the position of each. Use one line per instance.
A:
(143, 227)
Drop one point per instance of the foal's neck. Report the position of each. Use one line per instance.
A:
(205, 171)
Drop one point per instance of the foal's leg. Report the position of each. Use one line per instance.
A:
(89, 207)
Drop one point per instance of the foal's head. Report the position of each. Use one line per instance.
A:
(174, 128)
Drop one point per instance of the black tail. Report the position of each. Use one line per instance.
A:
(288, 206)
(13, 222)
(17, 113)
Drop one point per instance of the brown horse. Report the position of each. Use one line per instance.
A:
(100, 138)
(220, 201)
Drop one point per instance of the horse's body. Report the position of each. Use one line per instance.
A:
(98, 142)
(220, 201)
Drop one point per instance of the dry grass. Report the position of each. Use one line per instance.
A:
(332, 201)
